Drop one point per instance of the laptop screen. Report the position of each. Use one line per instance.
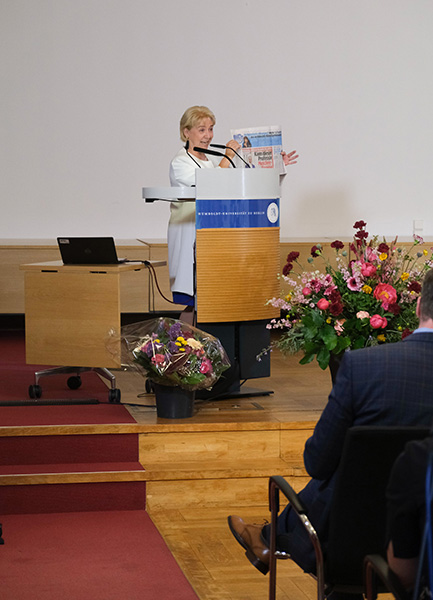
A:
(88, 251)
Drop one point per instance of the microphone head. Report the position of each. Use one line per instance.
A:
(214, 153)
(207, 151)
(218, 146)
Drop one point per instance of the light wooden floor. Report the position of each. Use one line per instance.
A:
(299, 394)
(199, 538)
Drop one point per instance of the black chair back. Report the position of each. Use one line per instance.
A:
(358, 514)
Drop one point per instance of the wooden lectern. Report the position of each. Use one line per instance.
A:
(237, 265)
(238, 244)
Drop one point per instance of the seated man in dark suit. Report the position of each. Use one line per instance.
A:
(390, 384)
(406, 495)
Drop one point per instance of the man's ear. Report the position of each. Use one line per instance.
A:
(418, 310)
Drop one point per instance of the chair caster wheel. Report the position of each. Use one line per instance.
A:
(74, 382)
(35, 391)
(114, 395)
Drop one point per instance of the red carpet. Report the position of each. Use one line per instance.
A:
(16, 376)
(15, 380)
(108, 550)
(88, 556)
(12, 348)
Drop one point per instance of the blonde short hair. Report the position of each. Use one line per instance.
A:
(192, 116)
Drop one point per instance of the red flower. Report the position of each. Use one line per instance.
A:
(378, 322)
(414, 286)
(206, 366)
(287, 268)
(323, 304)
(315, 251)
(368, 269)
(383, 248)
(405, 333)
(359, 224)
(158, 359)
(336, 308)
(386, 294)
(337, 305)
(361, 235)
(394, 309)
(292, 256)
(337, 244)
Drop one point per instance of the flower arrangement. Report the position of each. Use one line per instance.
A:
(368, 298)
(172, 353)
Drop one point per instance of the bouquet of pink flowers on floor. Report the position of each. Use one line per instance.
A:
(368, 298)
(172, 353)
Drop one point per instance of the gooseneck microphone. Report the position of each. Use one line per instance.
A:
(190, 155)
(237, 154)
(214, 153)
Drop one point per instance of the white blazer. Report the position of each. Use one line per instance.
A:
(181, 226)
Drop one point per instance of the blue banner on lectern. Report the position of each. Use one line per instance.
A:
(231, 214)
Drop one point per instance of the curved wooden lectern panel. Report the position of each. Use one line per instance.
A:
(237, 273)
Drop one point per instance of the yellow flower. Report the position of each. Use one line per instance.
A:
(400, 328)
(381, 337)
(180, 340)
(288, 297)
(367, 289)
(404, 276)
(425, 252)
(328, 320)
(383, 256)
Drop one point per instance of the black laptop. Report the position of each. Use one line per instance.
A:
(88, 251)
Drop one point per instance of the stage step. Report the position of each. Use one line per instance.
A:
(72, 497)
(220, 468)
(61, 448)
(63, 473)
(177, 464)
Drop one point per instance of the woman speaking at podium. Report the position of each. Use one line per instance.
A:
(196, 130)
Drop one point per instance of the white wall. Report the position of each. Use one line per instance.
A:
(92, 92)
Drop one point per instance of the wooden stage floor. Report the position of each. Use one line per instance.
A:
(299, 393)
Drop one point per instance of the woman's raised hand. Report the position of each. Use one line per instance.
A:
(290, 158)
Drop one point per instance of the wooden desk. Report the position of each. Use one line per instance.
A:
(71, 312)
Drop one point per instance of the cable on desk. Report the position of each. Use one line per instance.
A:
(153, 277)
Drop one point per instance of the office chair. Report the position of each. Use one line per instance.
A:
(357, 517)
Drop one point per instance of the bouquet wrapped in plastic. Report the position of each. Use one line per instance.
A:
(173, 353)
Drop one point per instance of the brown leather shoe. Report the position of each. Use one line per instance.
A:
(249, 537)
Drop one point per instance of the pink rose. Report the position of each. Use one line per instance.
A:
(206, 366)
(386, 294)
(306, 291)
(368, 270)
(158, 359)
(323, 304)
(378, 322)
